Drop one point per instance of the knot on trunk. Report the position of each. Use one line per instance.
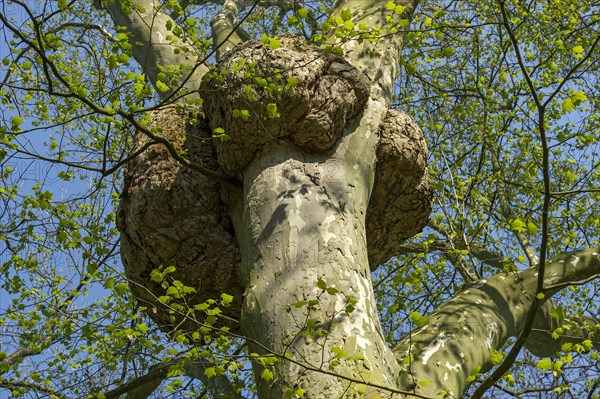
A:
(280, 90)
(401, 200)
(170, 215)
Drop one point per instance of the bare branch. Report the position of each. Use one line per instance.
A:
(506, 210)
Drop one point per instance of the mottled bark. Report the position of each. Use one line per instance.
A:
(462, 334)
(145, 22)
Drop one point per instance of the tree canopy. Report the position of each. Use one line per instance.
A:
(506, 93)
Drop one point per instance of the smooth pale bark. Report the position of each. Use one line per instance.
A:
(462, 334)
(226, 35)
(299, 227)
(146, 25)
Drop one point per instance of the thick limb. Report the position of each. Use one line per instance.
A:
(148, 25)
(226, 34)
(463, 333)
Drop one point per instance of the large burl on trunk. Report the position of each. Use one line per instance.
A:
(331, 182)
(171, 215)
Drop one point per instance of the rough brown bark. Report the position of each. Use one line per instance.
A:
(170, 215)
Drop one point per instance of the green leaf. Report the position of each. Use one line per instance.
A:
(532, 229)
(302, 13)
(271, 42)
(516, 225)
(62, 236)
(121, 288)
(449, 51)
(544, 364)
(243, 114)
(346, 14)
(144, 329)
(414, 316)
(496, 357)
(266, 375)
(109, 283)
(321, 284)
(578, 97)
(16, 122)
(272, 111)
(169, 269)
(202, 306)
(567, 105)
(210, 372)
(265, 38)
(274, 43)
(161, 86)
(339, 352)
(226, 299)
(558, 313)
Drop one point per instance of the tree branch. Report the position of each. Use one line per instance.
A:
(225, 32)
(147, 26)
(47, 390)
(379, 59)
(141, 387)
(463, 333)
(540, 341)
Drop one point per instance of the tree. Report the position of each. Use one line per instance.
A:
(264, 192)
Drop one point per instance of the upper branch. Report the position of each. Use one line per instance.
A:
(378, 56)
(154, 45)
(226, 31)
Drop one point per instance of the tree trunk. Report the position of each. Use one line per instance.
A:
(304, 260)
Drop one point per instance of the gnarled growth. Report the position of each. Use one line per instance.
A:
(294, 92)
(170, 215)
(402, 197)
